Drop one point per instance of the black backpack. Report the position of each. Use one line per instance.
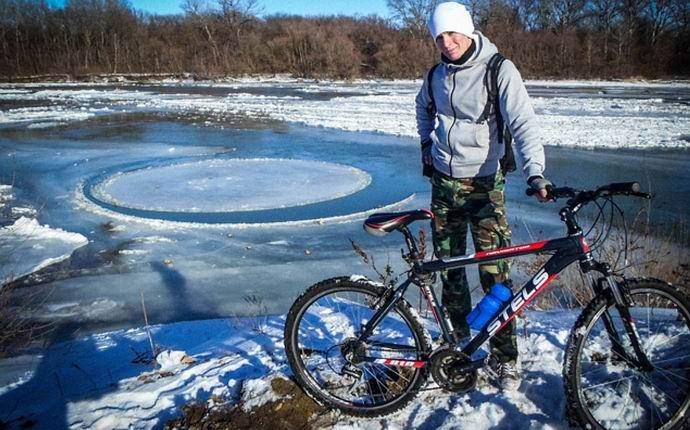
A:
(491, 82)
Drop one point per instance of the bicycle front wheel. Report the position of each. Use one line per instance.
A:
(605, 388)
(371, 378)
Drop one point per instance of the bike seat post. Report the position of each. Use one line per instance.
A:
(409, 240)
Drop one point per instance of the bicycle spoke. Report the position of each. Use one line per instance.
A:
(660, 390)
(607, 383)
(368, 385)
(627, 400)
(664, 371)
(668, 340)
(656, 409)
(670, 359)
(395, 371)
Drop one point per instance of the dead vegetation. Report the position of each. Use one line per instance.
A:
(293, 410)
(652, 251)
(17, 328)
(576, 39)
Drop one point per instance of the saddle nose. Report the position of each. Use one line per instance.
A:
(380, 224)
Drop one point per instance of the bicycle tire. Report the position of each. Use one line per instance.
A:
(403, 312)
(580, 405)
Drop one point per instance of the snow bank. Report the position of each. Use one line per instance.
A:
(27, 246)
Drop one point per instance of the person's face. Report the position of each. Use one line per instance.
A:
(452, 44)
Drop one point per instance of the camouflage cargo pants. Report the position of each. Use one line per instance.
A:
(480, 204)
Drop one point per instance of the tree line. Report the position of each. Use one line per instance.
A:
(545, 38)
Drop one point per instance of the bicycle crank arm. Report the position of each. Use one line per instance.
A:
(471, 366)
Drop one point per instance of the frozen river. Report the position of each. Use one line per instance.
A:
(222, 200)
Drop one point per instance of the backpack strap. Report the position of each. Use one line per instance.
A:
(507, 162)
(431, 107)
(491, 84)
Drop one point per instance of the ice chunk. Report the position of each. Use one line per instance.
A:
(27, 246)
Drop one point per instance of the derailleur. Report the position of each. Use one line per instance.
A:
(446, 365)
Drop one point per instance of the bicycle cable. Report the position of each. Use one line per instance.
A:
(596, 220)
(625, 238)
(599, 233)
(607, 229)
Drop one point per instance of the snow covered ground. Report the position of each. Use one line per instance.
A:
(97, 382)
(108, 381)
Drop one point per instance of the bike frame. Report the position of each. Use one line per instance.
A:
(566, 250)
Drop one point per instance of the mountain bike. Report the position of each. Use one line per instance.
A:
(360, 347)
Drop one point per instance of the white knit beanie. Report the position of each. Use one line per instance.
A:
(450, 16)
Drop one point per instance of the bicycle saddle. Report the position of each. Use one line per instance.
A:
(381, 224)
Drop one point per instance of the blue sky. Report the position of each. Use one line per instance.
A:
(294, 7)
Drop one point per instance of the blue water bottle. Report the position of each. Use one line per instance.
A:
(489, 306)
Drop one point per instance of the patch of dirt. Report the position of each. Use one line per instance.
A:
(294, 410)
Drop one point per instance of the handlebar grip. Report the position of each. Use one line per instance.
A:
(623, 188)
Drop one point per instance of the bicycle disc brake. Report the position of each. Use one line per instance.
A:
(445, 365)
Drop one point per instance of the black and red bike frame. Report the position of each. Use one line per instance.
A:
(565, 251)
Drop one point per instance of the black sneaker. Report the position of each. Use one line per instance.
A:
(505, 375)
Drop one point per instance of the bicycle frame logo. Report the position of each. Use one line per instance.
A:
(519, 301)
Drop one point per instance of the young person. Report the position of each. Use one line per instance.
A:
(463, 147)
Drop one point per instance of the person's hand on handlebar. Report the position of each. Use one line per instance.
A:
(541, 185)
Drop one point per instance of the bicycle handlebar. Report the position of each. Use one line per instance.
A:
(580, 197)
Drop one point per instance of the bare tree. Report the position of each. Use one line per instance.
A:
(412, 14)
(605, 13)
(239, 13)
(200, 11)
(630, 11)
(660, 14)
(527, 12)
(566, 13)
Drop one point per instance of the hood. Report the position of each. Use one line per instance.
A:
(484, 50)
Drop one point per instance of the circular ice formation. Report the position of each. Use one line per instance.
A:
(231, 185)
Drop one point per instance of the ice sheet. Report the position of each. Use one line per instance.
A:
(232, 185)
(636, 121)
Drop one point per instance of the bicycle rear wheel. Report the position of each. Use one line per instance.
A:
(326, 359)
(606, 390)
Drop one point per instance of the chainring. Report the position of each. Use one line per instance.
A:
(444, 369)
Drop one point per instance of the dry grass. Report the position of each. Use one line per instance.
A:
(653, 251)
(17, 328)
(254, 315)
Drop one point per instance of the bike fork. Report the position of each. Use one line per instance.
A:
(621, 301)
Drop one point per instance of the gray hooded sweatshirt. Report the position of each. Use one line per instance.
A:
(461, 147)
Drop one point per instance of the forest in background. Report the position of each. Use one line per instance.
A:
(213, 38)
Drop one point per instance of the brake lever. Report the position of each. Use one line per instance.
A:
(549, 195)
(642, 195)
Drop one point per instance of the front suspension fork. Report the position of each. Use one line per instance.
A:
(621, 302)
